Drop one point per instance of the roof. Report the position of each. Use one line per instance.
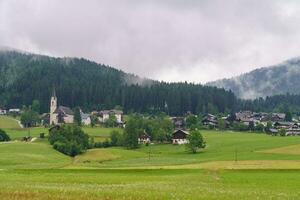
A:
(144, 134)
(117, 112)
(187, 133)
(64, 110)
(84, 116)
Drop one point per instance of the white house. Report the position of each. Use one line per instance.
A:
(144, 138)
(14, 110)
(2, 111)
(104, 115)
(85, 119)
(180, 137)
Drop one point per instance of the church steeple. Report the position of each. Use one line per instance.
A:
(53, 106)
(53, 92)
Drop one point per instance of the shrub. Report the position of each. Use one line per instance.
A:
(3, 136)
(69, 140)
(42, 135)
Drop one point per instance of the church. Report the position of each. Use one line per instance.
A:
(59, 114)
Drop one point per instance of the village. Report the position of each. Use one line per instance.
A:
(270, 123)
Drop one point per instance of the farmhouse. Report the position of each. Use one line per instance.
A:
(283, 125)
(104, 115)
(180, 137)
(85, 119)
(210, 120)
(59, 114)
(178, 122)
(14, 110)
(2, 111)
(144, 138)
(293, 130)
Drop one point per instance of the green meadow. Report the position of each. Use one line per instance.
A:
(232, 166)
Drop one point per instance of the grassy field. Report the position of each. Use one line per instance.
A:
(233, 166)
(8, 123)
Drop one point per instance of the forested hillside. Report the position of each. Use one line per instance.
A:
(80, 82)
(268, 81)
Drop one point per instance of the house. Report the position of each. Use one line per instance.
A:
(59, 114)
(45, 118)
(210, 120)
(178, 122)
(293, 130)
(2, 111)
(104, 115)
(283, 125)
(85, 119)
(180, 137)
(14, 110)
(273, 131)
(144, 138)
(278, 117)
(246, 117)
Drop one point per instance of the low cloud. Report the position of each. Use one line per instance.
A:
(196, 41)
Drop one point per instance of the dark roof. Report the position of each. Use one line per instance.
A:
(183, 131)
(144, 135)
(64, 110)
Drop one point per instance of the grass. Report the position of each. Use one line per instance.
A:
(149, 184)
(266, 168)
(8, 123)
(221, 147)
(288, 150)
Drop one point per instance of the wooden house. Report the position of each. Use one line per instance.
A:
(180, 137)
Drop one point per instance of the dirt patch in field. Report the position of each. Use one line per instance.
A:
(292, 150)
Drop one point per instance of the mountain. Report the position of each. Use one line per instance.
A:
(25, 77)
(268, 81)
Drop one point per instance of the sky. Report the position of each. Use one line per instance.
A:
(171, 40)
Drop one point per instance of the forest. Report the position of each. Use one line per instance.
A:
(26, 77)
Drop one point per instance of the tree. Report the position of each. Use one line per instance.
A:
(69, 139)
(111, 121)
(196, 141)
(94, 120)
(131, 132)
(222, 124)
(115, 138)
(77, 116)
(251, 126)
(282, 132)
(29, 117)
(288, 116)
(3, 136)
(269, 126)
(36, 106)
(191, 120)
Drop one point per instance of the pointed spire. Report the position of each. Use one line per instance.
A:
(53, 92)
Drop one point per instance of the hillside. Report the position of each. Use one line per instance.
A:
(279, 79)
(80, 82)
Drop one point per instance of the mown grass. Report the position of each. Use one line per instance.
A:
(149, 184)
(160, 171)
(16, 155)
(8, 123)
(221, 146)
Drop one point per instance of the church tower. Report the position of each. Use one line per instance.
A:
(53, 106)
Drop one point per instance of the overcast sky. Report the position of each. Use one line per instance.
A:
(171, 40)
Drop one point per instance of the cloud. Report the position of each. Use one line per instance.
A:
(169, 40)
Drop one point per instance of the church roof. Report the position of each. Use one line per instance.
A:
(64, 110)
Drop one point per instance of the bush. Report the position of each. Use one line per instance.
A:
(115, 138)
(42, 135)
(69, 140)
(3, 136)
